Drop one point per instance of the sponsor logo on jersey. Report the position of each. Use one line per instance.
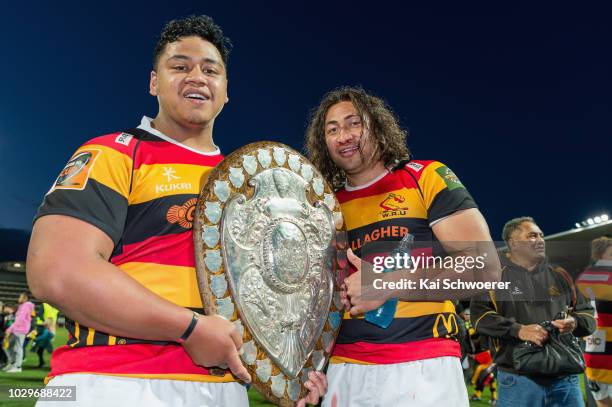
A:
(170, 174)
(183, 214)
(76, 172)
(393, 205)
(516, 291)
(449, 177)
(415, 166)
(449, 325)
(383, 232)
(124, 139)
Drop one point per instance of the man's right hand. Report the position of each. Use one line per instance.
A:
(216, 342)
(533, 333)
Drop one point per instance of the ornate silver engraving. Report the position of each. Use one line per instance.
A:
(236, 177)
(210, 235)
(307, 172)
(293, 389)
(212, 211)
(225, 307)
(249, 352)
(276, 248)
(330, 201)
(222, 190)
(218, 285)
(213, 260)
(279, 155)
(249, 163)
(263, 155)
(278, 385)
(294, 163)
(264, 369)
(317, 185)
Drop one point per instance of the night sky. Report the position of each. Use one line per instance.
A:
(515, 99)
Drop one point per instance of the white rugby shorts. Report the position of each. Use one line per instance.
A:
(421, 383)
(108, 391)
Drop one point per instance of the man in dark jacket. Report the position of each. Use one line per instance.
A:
(538, 292)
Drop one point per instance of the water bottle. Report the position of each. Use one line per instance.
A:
(383, 315)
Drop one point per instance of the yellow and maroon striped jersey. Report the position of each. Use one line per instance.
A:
(596, 284)
(409, 199)
(140, 187)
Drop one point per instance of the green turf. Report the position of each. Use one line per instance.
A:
(31, 376)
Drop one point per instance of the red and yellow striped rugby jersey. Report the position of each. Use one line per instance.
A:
(410, 198)
(139, 187)
(596, 283)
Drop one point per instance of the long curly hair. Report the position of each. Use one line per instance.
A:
(389, 140)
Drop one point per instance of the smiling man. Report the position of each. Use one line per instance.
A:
(539, 292)
(112, 246)
(356, 142)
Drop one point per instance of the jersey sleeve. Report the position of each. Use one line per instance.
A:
(443, 192)
(94, 185)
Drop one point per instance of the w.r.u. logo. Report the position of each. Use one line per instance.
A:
(449, 323)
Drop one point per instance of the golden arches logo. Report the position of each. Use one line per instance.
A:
(447, 323)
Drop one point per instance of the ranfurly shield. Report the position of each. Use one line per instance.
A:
(270, 239)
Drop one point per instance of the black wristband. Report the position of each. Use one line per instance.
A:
(189, 330)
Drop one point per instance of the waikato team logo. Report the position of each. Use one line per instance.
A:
(393, 205)
(76, 173)
(183, 214)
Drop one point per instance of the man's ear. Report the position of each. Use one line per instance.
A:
(153, 84)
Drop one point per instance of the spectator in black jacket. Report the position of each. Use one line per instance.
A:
(538, 292)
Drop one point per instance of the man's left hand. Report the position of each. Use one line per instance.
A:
(566, 325)
(317, 386)
(353, 289)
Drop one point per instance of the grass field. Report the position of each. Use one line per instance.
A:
(31, 376)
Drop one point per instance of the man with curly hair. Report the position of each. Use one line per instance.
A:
(356, 142)
(111, 250)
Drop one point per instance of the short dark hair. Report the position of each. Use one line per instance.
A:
(200, 26)
(514, 224)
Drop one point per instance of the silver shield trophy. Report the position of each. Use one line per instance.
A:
(269, 241)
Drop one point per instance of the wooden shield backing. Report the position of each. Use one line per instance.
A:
(267, 263)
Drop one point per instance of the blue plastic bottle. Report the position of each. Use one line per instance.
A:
(383, 315)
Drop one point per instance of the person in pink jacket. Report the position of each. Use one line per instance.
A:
(17, 333)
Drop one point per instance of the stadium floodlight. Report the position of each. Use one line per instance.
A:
(597, 219)
(590, 221)
(17, 265)
(604, 217)
(584, 223)
(577, 225)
